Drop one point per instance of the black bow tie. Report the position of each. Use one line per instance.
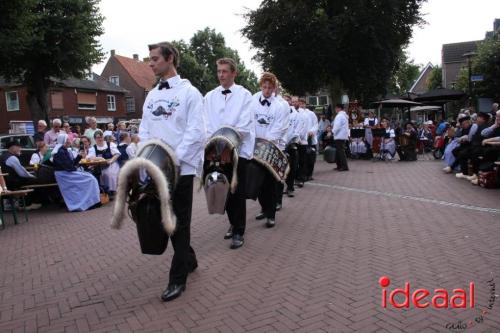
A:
(225, 92)
(264, 102)
(163, 84)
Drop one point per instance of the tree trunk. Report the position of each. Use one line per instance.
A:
(37, 100)
(335, 90)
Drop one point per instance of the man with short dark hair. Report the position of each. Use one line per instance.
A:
(340, 135)
(230, 105)
(173, 114)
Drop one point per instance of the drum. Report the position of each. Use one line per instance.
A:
(145, 185)
(272, 158)
(329, 154)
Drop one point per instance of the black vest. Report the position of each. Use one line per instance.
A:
(12, 177)
(123, 154)
(477, 138)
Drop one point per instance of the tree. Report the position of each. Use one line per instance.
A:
(435, 79)
(404, 77)
(44, 39)
(487, 63)
(351, 45)
(198, 61)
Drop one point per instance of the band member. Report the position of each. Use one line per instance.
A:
(294, 131)
(408, 143)
(312, 139)
(271, 124)
(230, 105)
(340, 134)
(388, 143)
(282, 142)
(173, 113)
(302, 148)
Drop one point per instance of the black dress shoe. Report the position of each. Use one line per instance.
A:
(172, 292)
(229, 233)
(193, 267)
(260, 216)
(290, 194)
(344, 169)
(270, 223)
(237, 242)
(278, 206)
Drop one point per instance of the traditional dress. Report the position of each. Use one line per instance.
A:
(388, 144)
(368, 123)
(232, 107)
(109, 175)
(79, 189)
(173, 113)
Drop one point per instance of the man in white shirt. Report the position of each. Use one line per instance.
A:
(270, 123)
(303, 118)
(230, 105)
(340, 135)
(312, 139)
(173, 113)
(294, 132)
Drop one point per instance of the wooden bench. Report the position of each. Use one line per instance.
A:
(35, 186)
(13, 196)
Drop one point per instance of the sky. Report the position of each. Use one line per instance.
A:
(130, 26)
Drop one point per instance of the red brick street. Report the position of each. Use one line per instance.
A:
(316, 271)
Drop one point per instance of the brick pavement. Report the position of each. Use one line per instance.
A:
(317, 271)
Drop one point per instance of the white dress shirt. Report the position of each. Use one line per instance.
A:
(341, 126)
(312, 126)
(175, 116)
(271, 121)
(233, 109)
(303, 117)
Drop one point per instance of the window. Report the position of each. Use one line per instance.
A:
(130, 101)
(12, 99)
(86, 101)
(56, 100)
(323, 100)
(111, 103)
(115, 80)
(312, 100)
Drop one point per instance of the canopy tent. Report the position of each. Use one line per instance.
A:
(395, 103)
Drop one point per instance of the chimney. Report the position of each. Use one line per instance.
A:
(145, 59)
(136, 57)
(112, 53)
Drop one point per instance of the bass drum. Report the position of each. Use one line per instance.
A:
(329, 154)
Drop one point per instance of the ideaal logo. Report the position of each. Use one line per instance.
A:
(439, 299)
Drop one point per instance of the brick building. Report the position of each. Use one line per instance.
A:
(132, 74)
(71, 100)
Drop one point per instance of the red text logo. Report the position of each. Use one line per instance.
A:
(423, 298)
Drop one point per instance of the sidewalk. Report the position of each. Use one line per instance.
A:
(316, 271)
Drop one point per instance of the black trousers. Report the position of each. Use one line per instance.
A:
(340, 157)
(461, 154)
(302, 165)
(184, 257)
(293, 160)
(268, 194)
(280, 187)
(311, 161)
(236, 206)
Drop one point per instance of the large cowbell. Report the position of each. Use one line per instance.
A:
(219, 168)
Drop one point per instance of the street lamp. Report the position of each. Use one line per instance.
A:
(469, 56)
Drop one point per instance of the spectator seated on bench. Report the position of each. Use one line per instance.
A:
(18, 176)
(79, 189)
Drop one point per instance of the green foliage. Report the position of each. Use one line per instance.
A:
(198, 61)
(435, 79)
(43, 39)
(404, 76)
(353, 44)
(487, 63)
